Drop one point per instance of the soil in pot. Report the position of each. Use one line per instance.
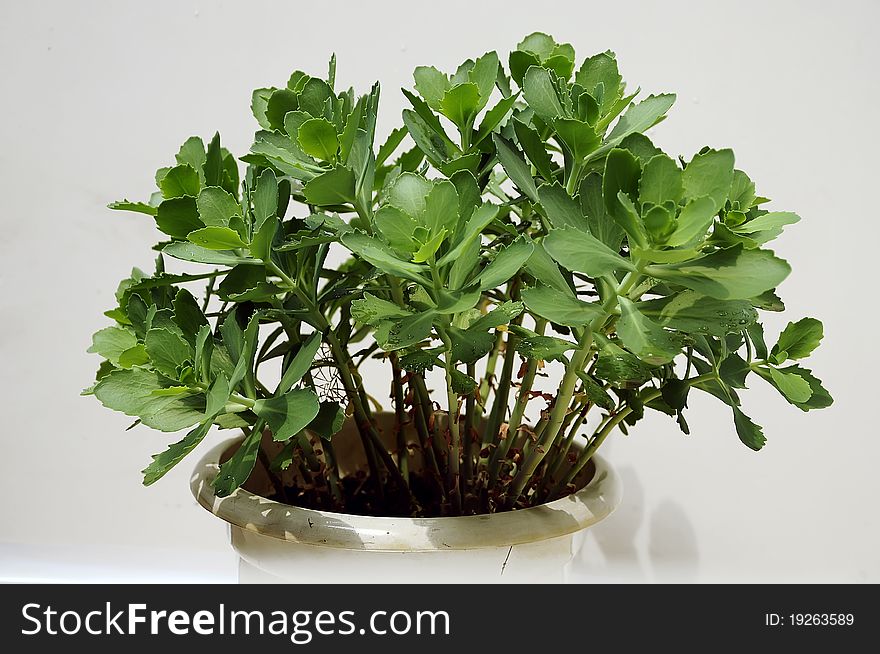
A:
(306, 480)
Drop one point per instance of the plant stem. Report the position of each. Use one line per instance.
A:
(607, 427)
(522, 400)
(332, 473)
(557, 415)
(571, 184)
(490, 370)
(468, 436)
(454, 455)
(400, 415)
(559, 458)
(427, 409)
(425, 440)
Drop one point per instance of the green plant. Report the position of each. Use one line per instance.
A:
(548, 233)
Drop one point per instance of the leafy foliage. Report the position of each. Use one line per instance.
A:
(512, 200)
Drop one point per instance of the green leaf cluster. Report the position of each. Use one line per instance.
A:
(518, 219)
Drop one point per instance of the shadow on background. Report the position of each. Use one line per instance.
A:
(636, 545)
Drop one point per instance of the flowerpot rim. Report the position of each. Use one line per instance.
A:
(561, 517)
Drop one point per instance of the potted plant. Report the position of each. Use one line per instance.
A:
(532, 270)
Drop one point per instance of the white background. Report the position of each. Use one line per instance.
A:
(97, 95)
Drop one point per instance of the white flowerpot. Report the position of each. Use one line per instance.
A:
(281, 543)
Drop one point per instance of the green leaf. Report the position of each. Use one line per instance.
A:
(217, 397)
(131, 392)
(734, 370)
(213, 167)
(136, 207)
(520, 62)
(500, 315)
(191, 252)
(577, 251)
(178, 217)
(638, 118)
(329, 421)
(278, 105)
(749, 433)
(562, 210)
(506, 264)
(756, 336)
(660, 181)
(493, 118)
(641, 146)
(192, 152)
(281, 152)
(428, 249)
(794, 387)
(134, 356)
(217, 207)
(317, 137)
(261, 244)
(596, 394)
(112, 342)
(188, 315)
(441, 207)
(404, 332)
(601, 224)
(709, 174)
(265, 199)
(431, 84)
(168, 351)
(395, 138)
(558, 307)
(334, 187)
(180, 181)
(694, 221)
(480, 219)
(620, 185)
(461, 103)
(243, 351)
(580, 139)
(301, 363)
(694, 313)
(463, 384)
(733, 274)
(660, 223)
(371, 310)
(419, 361)
(216, 238)
(540, 94)
(600, 69)
(515, 166)
(409, 193)
(314, 96)
(819, 397)
(397, 228)
(380, 255)
(767, 221)
(544, 348)
(798, 340)
(163, 462)
(437, 148)
(483, 74)
(616, 365)
(645, 338)
(233, 337)
(533, 145)
(237, 469)
(204, 349)
(288, 414)
(542, 267)
(470, 345)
